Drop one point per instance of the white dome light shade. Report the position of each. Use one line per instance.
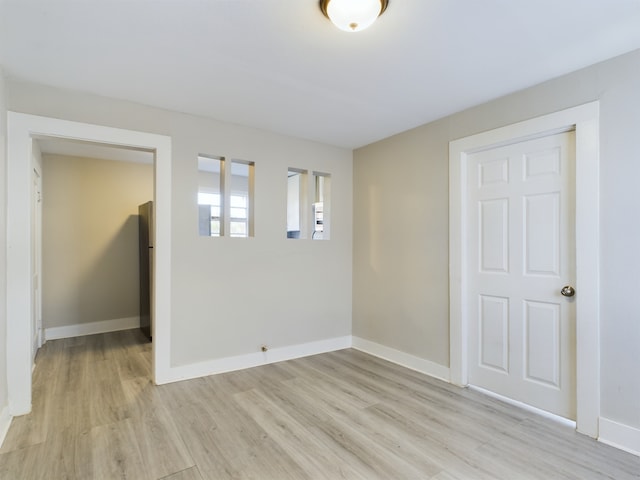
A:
(353, 15)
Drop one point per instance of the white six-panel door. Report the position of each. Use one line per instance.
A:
(521, 253)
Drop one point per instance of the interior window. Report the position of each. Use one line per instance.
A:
(296, 203)
(241, 199)
(210, 195)
(321, 206)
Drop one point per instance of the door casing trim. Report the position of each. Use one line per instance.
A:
(584, 119)
(21, 130)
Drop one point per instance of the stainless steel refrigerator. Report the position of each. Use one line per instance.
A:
(145, 235)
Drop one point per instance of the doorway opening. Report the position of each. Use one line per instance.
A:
(584, 120)
(23, 129)
(89, 274)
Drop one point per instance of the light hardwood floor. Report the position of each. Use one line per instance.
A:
(344, 414)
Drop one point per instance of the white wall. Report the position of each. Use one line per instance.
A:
(401, 226)
(3, 266)
(231, 295)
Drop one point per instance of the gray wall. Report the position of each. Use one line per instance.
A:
(90, 238)
(3, 245)
(230, 295)
(401, 225)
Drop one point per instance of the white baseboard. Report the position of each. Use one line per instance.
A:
(92, 328)
(239, 362)
(401, 358)
(619, 436)
(5, 423)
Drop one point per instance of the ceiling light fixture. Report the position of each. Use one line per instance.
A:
(353, 15)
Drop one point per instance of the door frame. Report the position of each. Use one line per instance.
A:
(21, 131)
(584, 119)
(36, 205)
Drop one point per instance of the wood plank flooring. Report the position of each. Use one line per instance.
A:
(341, 415)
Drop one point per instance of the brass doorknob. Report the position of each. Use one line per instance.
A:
(568, 291)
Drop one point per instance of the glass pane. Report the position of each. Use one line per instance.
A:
(321, 206)
(238, 201)
(215, 228)
(296, 202)
(238, 213)
(241, 199)
(208, 198)
(210, 194)
(238, 229)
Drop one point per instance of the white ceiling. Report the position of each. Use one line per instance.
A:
(280, 65)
